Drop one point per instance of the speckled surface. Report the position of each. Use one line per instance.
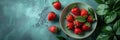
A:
(27, 19)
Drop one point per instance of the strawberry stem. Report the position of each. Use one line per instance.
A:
(55, 1)
(88, 24)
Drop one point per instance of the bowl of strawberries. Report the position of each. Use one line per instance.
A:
(78, 20)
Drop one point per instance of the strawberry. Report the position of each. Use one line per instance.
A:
(70, 18)
(53, 29)
(77, 31)
(77, 23)
(90, 19)
(51, 16)
(57, 5)
(84, 13)
(70, 25)
(86, 26)
(75, 11)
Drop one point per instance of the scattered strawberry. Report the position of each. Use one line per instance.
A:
(53, 29)
(90, 19)
(75, 11)
(77, 23)
(84, 13)
(51, 16)
(77, 31)
(70, 25)
(70, 18)
(57, 5)
(86, 26)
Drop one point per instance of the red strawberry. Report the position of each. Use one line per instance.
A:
(77, 23)
(70, 18)
(77, 31)
(84, 13)
(75, 11)
(53, 29)
(57, 5)
(70, 25)
(86, 26)
(90, 19)
(51, 16)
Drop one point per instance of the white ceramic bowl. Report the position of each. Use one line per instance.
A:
(70, 33)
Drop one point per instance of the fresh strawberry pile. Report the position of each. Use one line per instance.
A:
(79, 20)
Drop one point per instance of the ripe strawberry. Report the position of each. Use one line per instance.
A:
(84, 13)
(53, 29)
(70, 25)
(77, 31)
(77, 23)
(90, 19)
(86, 26)
(75, 11)
(51, 16)
(70, 18)
(57, 5)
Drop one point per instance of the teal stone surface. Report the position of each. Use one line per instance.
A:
(27, 19)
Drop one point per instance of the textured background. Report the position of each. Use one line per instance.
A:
(27, 19)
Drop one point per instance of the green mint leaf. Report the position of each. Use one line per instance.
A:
(115, 38)
(110, 3)
(110, 18)
(91, 11)
(116, 25)
(107, 29)
(116, 5)
(60, 38)
(118, 13)
(118, 31)
(103, 37)
(102, 9)
(80, 19)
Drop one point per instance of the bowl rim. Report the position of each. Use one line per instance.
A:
(68, 33)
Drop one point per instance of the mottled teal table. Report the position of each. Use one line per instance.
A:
(27, 19)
